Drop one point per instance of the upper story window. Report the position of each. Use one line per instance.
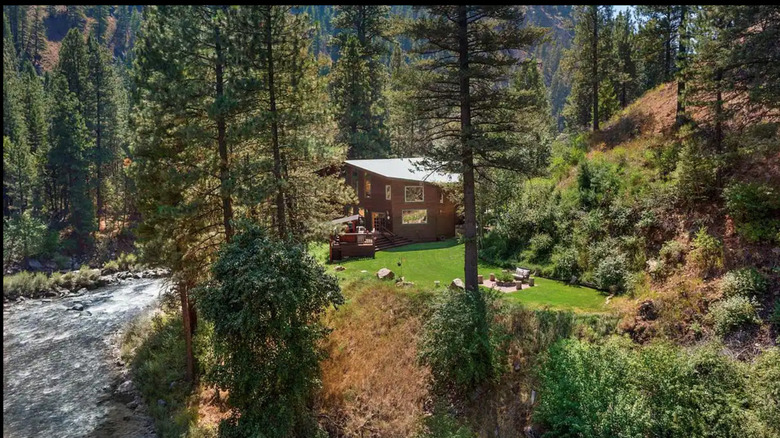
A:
(388, 193)
(414, 194)
(441, 196)
(367, 185)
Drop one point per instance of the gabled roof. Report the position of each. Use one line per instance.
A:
(404, 168)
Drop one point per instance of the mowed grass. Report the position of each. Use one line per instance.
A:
(424, 263)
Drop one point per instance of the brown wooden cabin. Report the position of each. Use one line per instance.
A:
(399, 203)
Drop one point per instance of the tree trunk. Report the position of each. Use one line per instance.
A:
(681, 59)
(719, 110)
(98, 138)
(595, 68)
(469, 206)
(186, 319)
(277, 171)
(224, 177)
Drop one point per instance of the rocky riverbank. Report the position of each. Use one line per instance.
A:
(24, 285)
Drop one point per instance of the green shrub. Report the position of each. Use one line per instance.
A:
(765, 389)
(540, 247)
(733, 313)
(696, 170)
(112, 266)
(657, 269)
(618, 389)
(565, 265)
(610, 273)
(672, 252)
(26, 284)
(774, 317)
(62, 262)
(755, 209)
(586, 391)
(127, 261)
(266, 301)
(442, 424)
(745, 282)
(505, 277)
(460, 342)
(707, 253)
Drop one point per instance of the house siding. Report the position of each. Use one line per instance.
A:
(440, 216)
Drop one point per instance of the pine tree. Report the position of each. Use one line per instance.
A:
(658, 42)
(625, 57)
(69, 162)
(589, 62)
(100, 28)
(368, 25)
(101, 116)
(461, 89)
(37, 43)
(73, 66)
(352, 96)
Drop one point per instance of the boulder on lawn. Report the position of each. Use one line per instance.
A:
(340, 268)
(385, 274)
(457, 283)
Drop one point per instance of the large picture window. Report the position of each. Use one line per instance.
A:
(413, 194)
(414, 216)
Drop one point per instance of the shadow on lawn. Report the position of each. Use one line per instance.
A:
(449, 243)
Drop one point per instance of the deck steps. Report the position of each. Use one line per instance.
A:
(384, 242)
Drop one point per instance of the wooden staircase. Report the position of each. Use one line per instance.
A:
(384, 239)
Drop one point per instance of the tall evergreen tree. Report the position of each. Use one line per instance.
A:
(625, 57)
(589, 61)
(69, 162)
(74, 67)
(461, 89)
(365, 26)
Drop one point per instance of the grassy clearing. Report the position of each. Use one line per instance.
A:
(36, 284)
(154, 346)
(424, 263)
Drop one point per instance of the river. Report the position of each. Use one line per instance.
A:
(59, 370)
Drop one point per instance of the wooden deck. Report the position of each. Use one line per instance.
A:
(352, 245)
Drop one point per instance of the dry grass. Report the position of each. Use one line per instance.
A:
(372, 384)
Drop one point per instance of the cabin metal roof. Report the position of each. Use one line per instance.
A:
(404, 168)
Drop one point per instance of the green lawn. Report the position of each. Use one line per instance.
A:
(424, 263)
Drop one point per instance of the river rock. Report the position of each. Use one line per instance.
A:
(385, 274)
(133, 403)
(125, 386)
(77, 306)
(161, 402)
(457, 284)
(34, 265)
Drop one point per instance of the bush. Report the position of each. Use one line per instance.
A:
(672, 252)
(112, 266)
(707, 253)
(618, 389)
(586, 391)
(266, 301)
(610, 273)
(746, 282)
(539, 249)
(755, 209)
(26, 284)
(62, 262)
(505, 277)
(460, 342)
(765, 389)
(733, 313)
(565, 265)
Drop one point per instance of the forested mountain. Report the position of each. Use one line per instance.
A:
(632, 159)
